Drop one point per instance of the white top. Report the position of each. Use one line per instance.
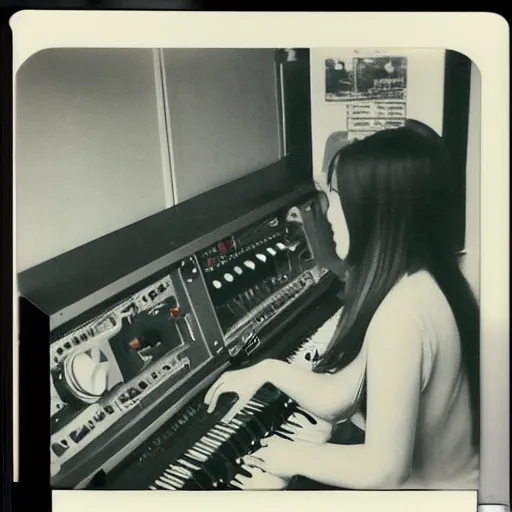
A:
(444, 457)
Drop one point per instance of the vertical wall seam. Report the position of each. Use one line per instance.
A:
(168, 164)
(282, 109)
(280, 106)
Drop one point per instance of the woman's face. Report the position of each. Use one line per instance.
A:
(336, 217)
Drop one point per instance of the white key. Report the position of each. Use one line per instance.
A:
(189, 465)
(202, 447)
(210, 442)
(254, 403)
(228, 430)
(216, 437)
(220, 432)
(165, 485)
(197, 455)
(172, 481)
(175, 472)
(250, 409)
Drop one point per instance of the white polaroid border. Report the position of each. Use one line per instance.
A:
(484, 38)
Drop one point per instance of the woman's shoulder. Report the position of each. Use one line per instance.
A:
(413, 293)
(411, 303)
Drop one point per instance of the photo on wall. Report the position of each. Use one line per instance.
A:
(366, 78)
(339, 79)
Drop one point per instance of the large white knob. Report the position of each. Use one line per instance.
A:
(88, 375)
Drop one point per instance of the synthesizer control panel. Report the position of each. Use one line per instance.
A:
(256, 273)
(157, 339)
(103, 369)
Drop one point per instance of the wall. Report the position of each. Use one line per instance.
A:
(87, 154)
(471, 261)
(425, 83)
(223, 115)
(99, 132)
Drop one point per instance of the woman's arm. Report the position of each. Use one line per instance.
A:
(394, 388)
(328, 396)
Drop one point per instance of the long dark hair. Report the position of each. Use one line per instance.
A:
(396, 190)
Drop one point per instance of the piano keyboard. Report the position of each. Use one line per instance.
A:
(316, 344)
(298, 425)
(214, 461)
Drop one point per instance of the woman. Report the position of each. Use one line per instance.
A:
(406, 351)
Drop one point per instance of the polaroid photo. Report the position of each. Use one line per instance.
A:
(193, 242)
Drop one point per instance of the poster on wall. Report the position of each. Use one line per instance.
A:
(365, 78)
(366, 118)
(373, 90)
(339, 79)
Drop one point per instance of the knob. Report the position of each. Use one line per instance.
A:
(87, 374)
(175, 312)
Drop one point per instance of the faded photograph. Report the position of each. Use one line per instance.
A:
(339, 79)
(380, 77)
(248, 287)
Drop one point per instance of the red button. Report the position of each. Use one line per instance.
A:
(175, 312)
(135, 344)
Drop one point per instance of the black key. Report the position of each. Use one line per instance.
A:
(201, 469)
(219, 467)
(306, 415)
(282, 436)
(282, 429)
(290, 421)
(230, 449)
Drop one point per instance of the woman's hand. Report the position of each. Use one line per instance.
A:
(254, 479)
(245, 383)
(278, 456)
